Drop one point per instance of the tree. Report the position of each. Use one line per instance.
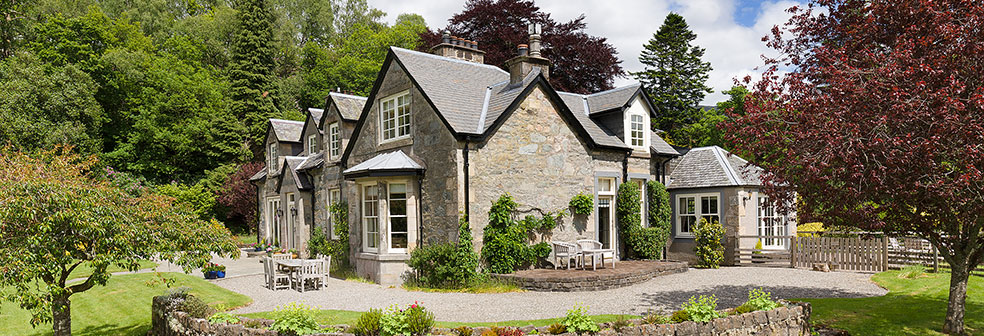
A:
(581, 63)
(674, 75)
(12, 18)
(873, 113)
(43, 105)
(57, 214)
(250, 70)
(238, 194)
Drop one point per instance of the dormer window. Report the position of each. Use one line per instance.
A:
(334, 141)
(272, 158)
(637, 131)
(312, 144)
(394, 117)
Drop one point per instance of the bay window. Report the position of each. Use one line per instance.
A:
(398, 216)
(370, 217)
(692, 208)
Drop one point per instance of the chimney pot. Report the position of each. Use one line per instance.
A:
(523, 50)
(446, 37)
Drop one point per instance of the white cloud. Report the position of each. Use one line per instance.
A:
(732, 49)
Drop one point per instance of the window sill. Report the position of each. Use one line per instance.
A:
(383, 257)
(394, 143)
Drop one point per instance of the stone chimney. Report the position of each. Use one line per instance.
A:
(528, 58)
(455, 47)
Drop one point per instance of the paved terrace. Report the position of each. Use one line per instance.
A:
(665, 293)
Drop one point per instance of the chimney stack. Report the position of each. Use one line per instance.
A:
(459, 48)
(528, 58)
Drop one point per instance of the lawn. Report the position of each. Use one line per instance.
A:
(122, 307)
(350, 317)
(914, 306)
(83, 271)
(243, 240)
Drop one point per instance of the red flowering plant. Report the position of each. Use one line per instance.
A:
(213, 267)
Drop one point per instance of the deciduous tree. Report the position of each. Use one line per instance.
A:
(57, 213)
(238, 194)
(874, 114)
(581, 63)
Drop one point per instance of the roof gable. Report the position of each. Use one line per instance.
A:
(287, 130)
(347, 107)
(291, 164)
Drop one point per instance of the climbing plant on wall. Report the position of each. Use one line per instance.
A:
(506, 244)
(641, 242)
(659, 217)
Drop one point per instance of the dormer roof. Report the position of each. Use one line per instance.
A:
(287, 130)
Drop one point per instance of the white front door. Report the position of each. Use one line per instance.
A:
(606, 221)
(291, 214)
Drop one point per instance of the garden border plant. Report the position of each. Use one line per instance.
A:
(709, 249)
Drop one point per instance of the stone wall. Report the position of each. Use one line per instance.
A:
(792, 319)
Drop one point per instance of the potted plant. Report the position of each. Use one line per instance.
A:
(213, 271)
(293, 253)
(261, 246)
(269, 251)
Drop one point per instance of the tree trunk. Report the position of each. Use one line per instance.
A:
(61, 316)
(959, 275)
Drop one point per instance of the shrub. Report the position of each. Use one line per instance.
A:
(620, 322)
(557, 329)
(701, 309)
(418, 320)
(680, 316)
(582, 204)
(709, 250)
(223, 317)
(658, 232)
(368, 323)
(295, 319)
(463, 331)
(549, 221)
(656, 318)
(446, 265)
(627, 212)
(577, 321)
(197, 308)
(760, 300)
(506, 331)
(504, 248)
(196, 197)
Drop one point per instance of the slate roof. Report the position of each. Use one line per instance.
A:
(291, 164)
(259, 175)
(349, 106)
(287, 130)
(611, 99)
(712, 167)
(316, 114)
(660, 146)
(313, 161)
(396, 161)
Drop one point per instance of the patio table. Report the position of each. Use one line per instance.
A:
(290, 265)
(597, 252)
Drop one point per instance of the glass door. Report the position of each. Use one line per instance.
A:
(605, 222)
(291, 214)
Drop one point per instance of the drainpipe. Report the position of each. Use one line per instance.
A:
(420, 220)
(662, 171)
(625, 167)
(260, 205)
(464, 154)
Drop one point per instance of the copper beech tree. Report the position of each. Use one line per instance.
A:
(873, 113)
(57, 213)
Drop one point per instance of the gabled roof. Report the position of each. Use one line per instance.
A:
(291, 164)
(713, 167)
(287, 130)
(316, 115)
(259, 175)
(386, 164)
(660, 146)
(313, 161)
(612, 99)
(349, 106)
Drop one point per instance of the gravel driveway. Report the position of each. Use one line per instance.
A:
(666, 293)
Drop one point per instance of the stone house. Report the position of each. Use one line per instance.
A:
(443, 135)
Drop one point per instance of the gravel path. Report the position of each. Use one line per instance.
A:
(665, 293)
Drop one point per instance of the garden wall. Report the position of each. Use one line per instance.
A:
(793, 319)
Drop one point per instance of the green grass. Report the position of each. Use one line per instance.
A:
(83, 271)
(350, 317)
(122, 307)
(483, 286)
(244, 239)
(915, 305)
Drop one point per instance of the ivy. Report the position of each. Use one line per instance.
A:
(506, 247)
(338, 249)
(582, 204)
(643, 242)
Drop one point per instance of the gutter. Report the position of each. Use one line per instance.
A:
(420, 219)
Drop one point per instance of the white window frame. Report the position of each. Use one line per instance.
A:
(334, 141)
(766, 210)
(610, 196)
(312, 144)
(698, 212)
(637, 137)
(334, 196)
(401, 114)
(272, 223)
(643, 213)
(363, 202)
(272, 159)
(390, 215)
(637, 110)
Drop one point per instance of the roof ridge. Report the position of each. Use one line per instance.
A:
(728, 169)
(285, 120)
(636, 84)
(348, 95)
(448, 59)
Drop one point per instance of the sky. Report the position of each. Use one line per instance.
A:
(731, 31)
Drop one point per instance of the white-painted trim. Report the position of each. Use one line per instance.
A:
(697, 208)
(334, 144)
(396, 118)
(362, 217)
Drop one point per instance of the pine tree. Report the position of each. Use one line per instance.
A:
(674, 74)
(251, 68)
